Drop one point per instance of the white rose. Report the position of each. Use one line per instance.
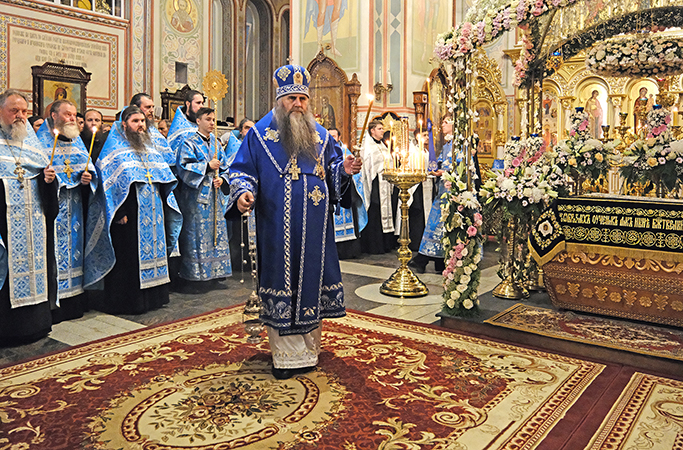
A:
(450, 303)
(600, 54)
(507, 185)
(464, 252)
(468, 271)
(462, 287)
(465, 279)
(477, 258)
(455, 295)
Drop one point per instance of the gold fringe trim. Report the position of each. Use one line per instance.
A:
(624, 252)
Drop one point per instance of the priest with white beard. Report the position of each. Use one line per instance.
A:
(28, 207)
(76, 189)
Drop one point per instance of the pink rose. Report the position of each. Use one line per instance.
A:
(471, 231)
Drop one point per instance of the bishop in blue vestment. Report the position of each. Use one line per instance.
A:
(142, 220)
(292, 173)
(203, 167)
(76, 187)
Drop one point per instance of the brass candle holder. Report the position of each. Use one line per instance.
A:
(404, 170)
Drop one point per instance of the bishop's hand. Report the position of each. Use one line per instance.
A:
(352, 165)
(245, 202)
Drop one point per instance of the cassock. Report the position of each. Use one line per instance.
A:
(350, 222)
(378, 236)
(132, 257)
(204, 247)
(69, 163)
(298, 269)
(28, 273)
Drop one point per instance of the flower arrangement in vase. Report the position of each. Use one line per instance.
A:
(657, 160)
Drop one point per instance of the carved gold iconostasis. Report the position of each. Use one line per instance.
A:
(572, 85)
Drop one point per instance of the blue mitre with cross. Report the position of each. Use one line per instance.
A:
(291, 79)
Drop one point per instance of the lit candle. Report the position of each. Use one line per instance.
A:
(54, 146)
(420, 121)
(92, 142)
(371, 99)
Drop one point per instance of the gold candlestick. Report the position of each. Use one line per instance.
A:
(54, 146)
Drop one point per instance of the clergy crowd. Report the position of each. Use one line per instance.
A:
(106, 217)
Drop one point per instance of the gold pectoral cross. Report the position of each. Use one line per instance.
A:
(316, 196)
(149, 177)
(19, 172)
(67, 169)
(294, 170)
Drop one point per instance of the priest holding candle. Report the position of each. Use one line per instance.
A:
(77, 186)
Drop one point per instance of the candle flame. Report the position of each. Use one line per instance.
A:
(56, 132)
(94, 130)
(370, 97)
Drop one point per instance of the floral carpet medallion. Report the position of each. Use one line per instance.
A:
(648, 415)
(633, 337)
(380, 384)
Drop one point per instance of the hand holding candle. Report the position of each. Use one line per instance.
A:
(54, 146)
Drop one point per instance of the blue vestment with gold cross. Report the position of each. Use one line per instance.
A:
(145, 174)
(25, 263)
(299, 277)
(69, 163)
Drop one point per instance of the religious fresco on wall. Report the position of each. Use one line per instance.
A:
(180, 37)
(550, 118)
(182, 15)
(642, 96)
(429, 19)
(333, 26)
(485, 128)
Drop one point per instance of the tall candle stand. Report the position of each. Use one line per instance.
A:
(404, 170)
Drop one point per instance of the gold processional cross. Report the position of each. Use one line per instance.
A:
(149, 177)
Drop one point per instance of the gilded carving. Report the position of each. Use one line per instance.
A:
(661, 301)
(615, 297)
(573, 289)
(645, 302)
(616, 261)
(630, 297)
(560, 289)
(677, 305)
(587, 293)
(601, 293)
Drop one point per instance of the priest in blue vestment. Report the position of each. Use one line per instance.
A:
(293, 175)
(28, 207)
(202, 166)
(142, 220)
(76, 187)
(184, 123)
(146, 104)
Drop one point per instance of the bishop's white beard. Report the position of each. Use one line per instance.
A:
(297, 131)
(70, 130)
(15, 132)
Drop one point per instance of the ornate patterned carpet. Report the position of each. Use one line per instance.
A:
(380, 384)
(650, 340)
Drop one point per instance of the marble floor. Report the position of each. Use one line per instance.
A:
(362, 278)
